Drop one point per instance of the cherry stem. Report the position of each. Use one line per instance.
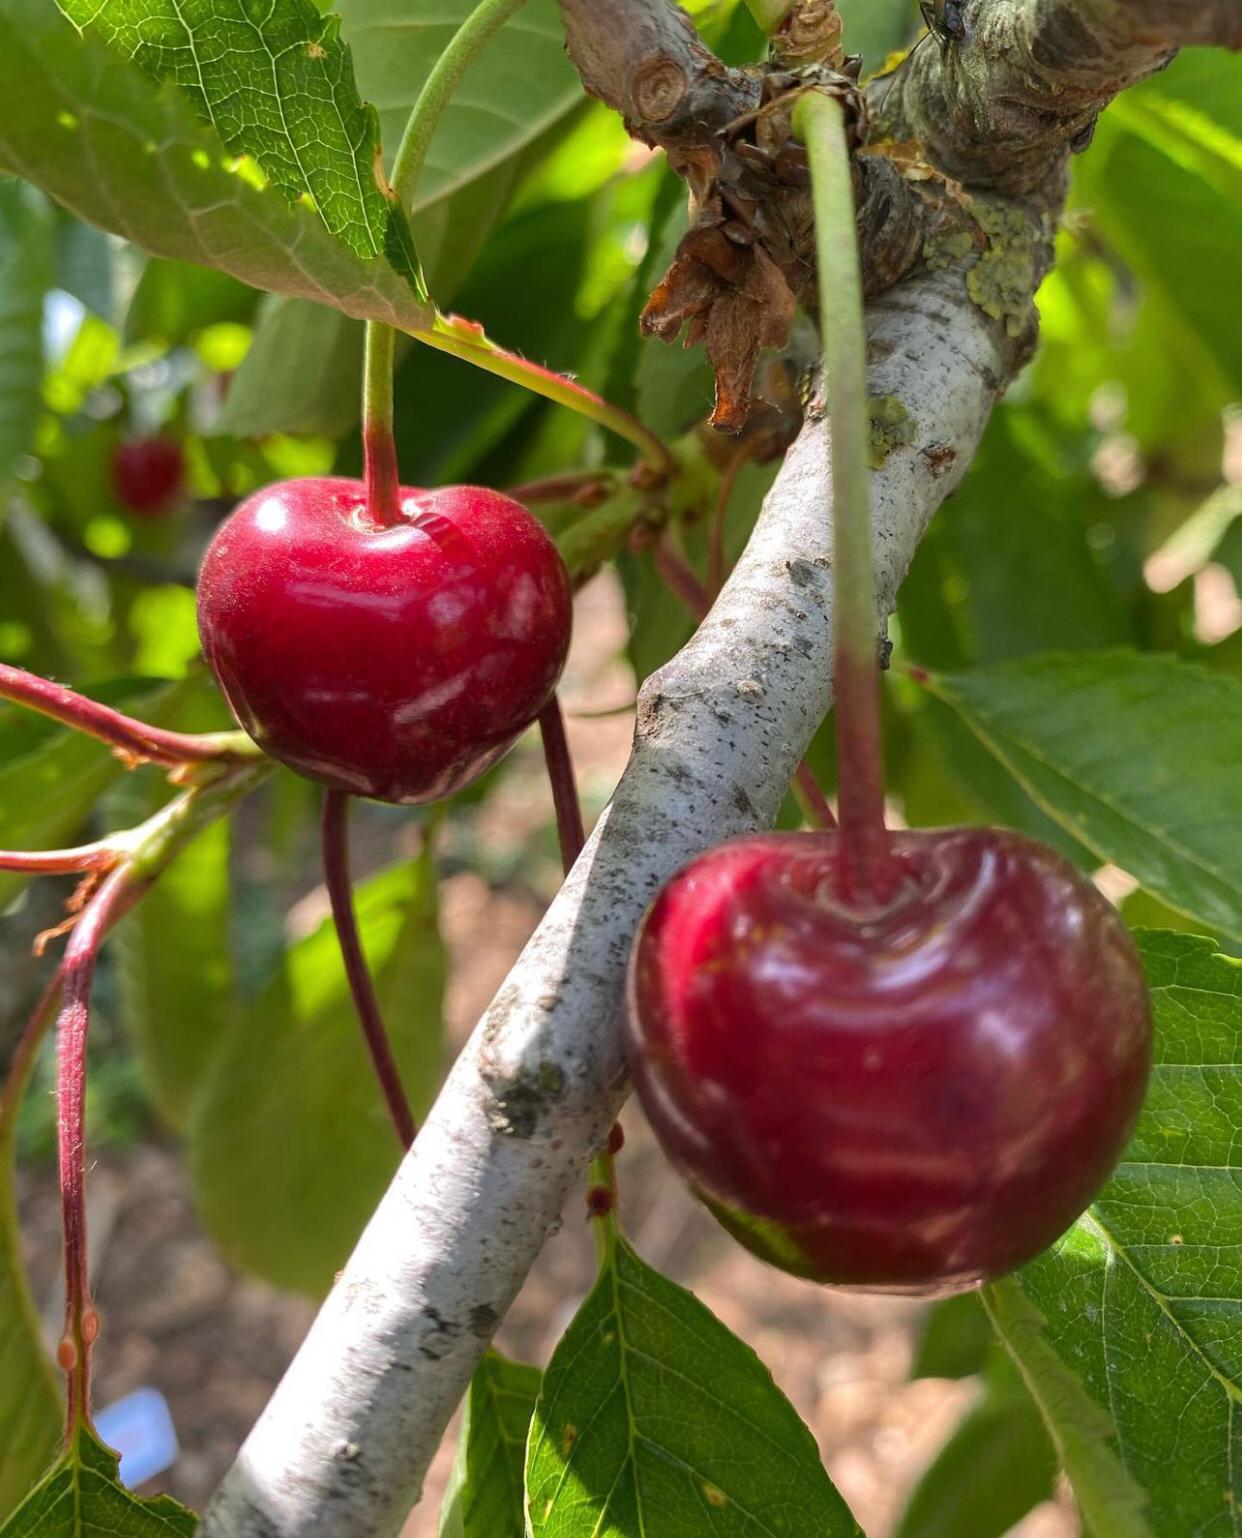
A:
(560, 765)
(866, 867)
(115, 897)
(570, 486)
(60, 862)
(716, 550)
(483, 22)
(379, 447)
(681, 580)
(811, 798)
(468, 341)
(340, 893)
(135, 739)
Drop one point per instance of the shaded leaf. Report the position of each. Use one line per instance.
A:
(954, 1341)
(519, 87)
(276, 84)
(997, 1466)
(1128, 1330)
(300, 376)
(1135, 755)
(84, 265)
(82, 1497)
(290, 1142)
(25, 274)
(653, 1418)
(172, 951)
(98, 136)
(484, 1498)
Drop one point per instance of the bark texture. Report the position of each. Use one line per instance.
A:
(341, 1450)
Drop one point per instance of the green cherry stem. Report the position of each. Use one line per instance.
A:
(463, 48)
(379, 446)
(335, 830)
(868, 872)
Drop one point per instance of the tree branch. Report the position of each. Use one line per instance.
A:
(1004, 108)
(343, 1446)
(341, 1450)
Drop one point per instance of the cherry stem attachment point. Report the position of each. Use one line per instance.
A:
(133, 739)
(340, 893)
(868, 872)
(118, 893)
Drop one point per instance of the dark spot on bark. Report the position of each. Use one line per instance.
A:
(801, 573)
(940, 457)
(743, 803)
(483, 1320)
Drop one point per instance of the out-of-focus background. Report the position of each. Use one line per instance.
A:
(237, 1142)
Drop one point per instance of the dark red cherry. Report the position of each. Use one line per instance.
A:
(396, 662)
(915, 1099)
(148, 475)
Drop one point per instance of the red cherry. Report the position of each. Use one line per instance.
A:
(397, 662)
(914, 1099)
(148, 475)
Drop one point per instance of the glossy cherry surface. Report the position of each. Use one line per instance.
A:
(398, 662)
(912, 1100)
(148, 475)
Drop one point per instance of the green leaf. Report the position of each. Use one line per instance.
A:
(290, 1143)
(997, 1466)
(25, 275)
(654, 1419)
(954, 1341)
(82, 1497)
(1136, 756)
(172, 951)
(484, 1495)
(31, 1416)
(1127, 1331)
(84, 265)
(1163, 186)
(98, 136)
(276, 84)
(51, 777)
(300, 376)
(519, 87)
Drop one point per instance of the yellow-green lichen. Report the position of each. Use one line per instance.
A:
(947, 248)
(1002, 283)
(891, 428)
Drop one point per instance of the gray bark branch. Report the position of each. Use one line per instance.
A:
(342, 1448)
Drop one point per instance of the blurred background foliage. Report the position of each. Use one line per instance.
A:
(1104, 510)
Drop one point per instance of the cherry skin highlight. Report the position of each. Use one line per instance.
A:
(148, 475)
(393, 662)
(916, 1099)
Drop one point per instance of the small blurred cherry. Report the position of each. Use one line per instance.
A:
(148, 475)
